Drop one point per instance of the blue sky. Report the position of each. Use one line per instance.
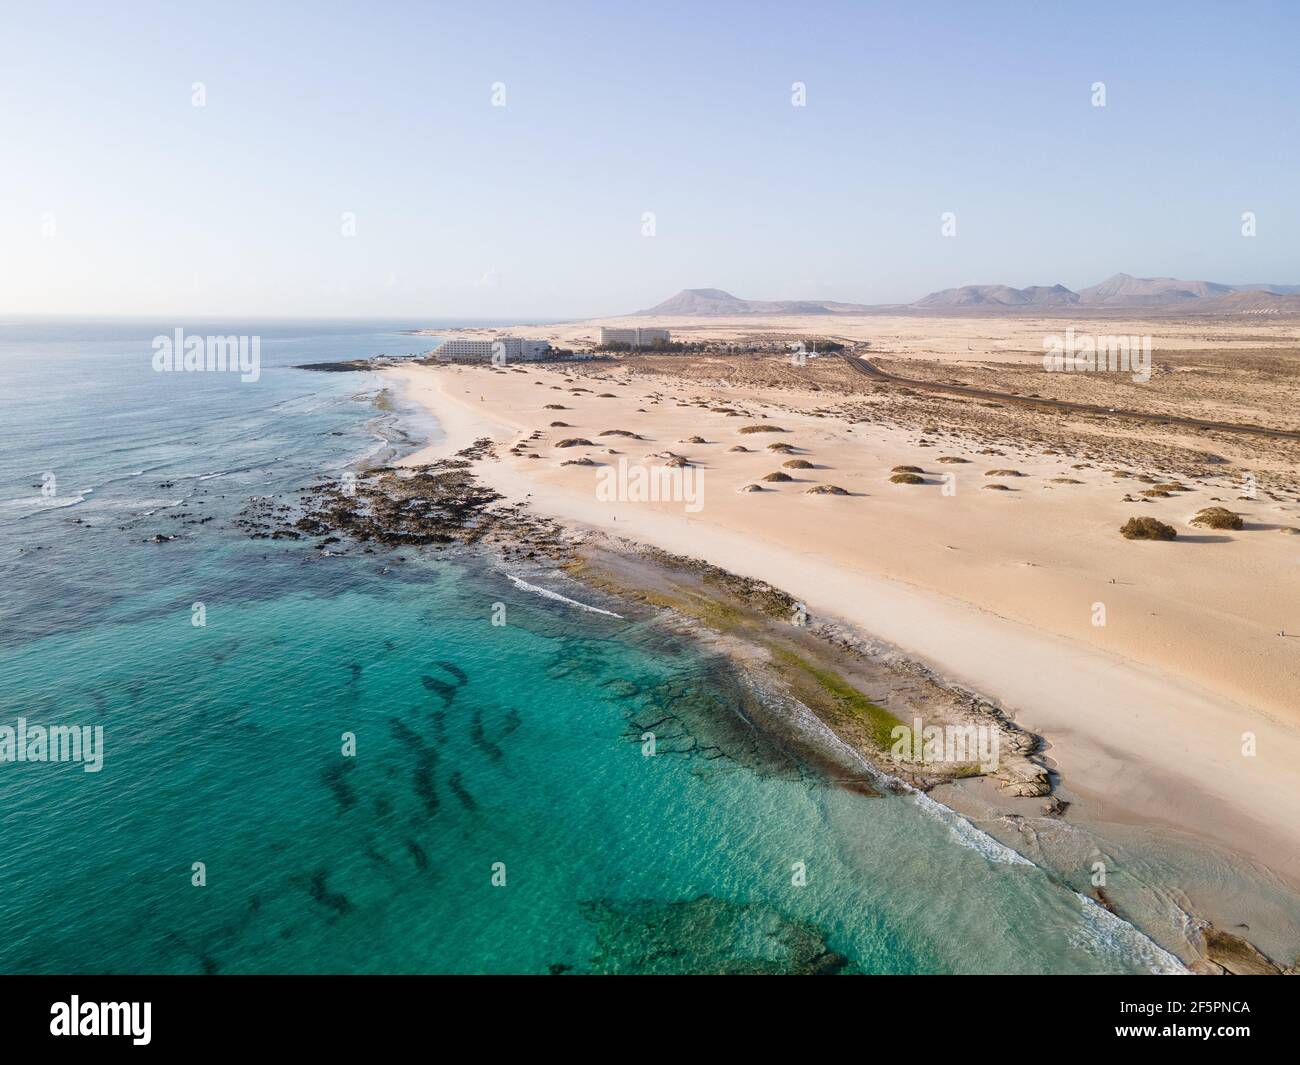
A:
(117, 195)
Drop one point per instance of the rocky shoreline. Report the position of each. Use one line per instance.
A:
(857, 689)
(814, 662)
(437, 505)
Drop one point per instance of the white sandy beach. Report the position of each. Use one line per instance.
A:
(996, 590)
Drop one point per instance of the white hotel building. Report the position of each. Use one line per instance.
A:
(636, 338)
(511, 349)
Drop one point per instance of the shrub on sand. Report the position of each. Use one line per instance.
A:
(1147, 529)
(907, 478)
(1218, 518)
(778, 476)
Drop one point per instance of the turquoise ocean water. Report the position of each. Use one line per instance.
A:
(482, 752)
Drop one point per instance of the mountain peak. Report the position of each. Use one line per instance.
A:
(1000, 296)
(703, 302)
(1125, 290)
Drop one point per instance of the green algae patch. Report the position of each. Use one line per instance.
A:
(842, 700)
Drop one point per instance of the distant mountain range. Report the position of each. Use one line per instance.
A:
(1119, 291)
(713, 301)
(1122, 290)
(1000, 296)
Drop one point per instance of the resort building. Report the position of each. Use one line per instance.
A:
(635, 338)
(512, 349)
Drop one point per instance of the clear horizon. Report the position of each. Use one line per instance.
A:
(352, 163)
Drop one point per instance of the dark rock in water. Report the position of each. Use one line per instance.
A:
(480, 738)
(417, 853)
(437, 505)
(706, 935)
(373, 853)
(355, 669)
(207, 962)
(335, 900)
(458, 789)
(455, 670)
(426, 787)
(426, 761)
(587, 659)
(713, 723)
(558, 968)
(624, 689)
(440, 725)
(342, 366)
(335, 777)
(404, 734)
(512, 721)
(441, 688)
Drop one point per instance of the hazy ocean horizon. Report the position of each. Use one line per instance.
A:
(483, 753)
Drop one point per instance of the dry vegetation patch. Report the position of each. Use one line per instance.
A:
(1147, 529)
(1218, 518)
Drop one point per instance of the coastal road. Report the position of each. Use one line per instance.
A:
(865, 368)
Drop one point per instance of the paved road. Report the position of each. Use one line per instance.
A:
(865, 368)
